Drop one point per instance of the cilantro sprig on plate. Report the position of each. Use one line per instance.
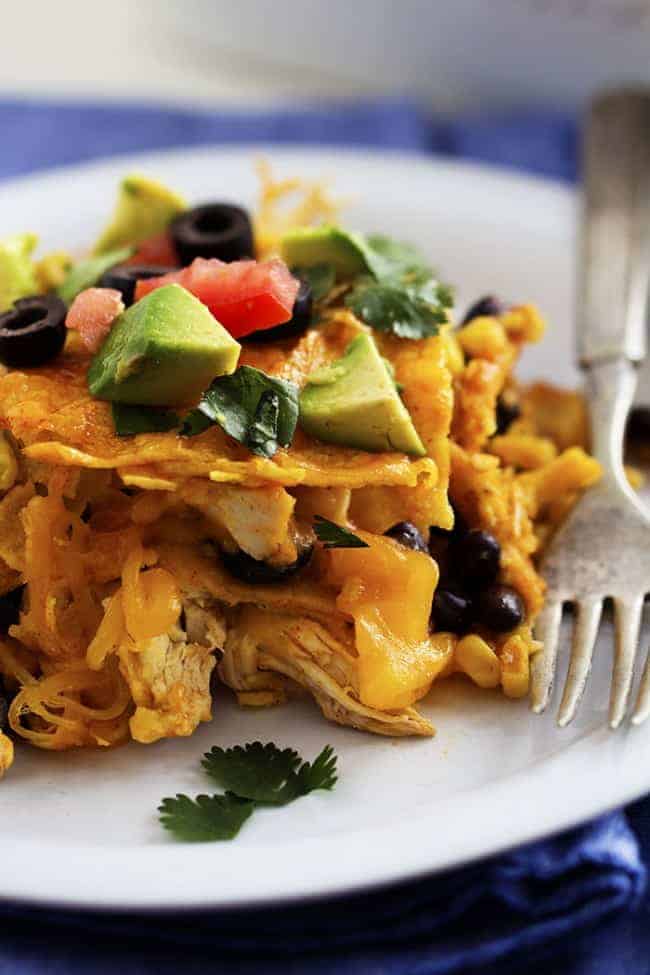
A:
(267, 775)
(206, 818)
(252, 776)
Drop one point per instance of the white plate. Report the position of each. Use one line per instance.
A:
(80, 828)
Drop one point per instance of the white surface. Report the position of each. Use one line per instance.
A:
(456, 53)
(459, 53)
(80, 828)
(146, 49)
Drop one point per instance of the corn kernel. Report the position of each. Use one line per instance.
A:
(515, 666)
(483, 338)
(477, 659)
(635, 477)
(523, 323)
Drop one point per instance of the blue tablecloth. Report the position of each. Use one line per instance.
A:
(572, 905)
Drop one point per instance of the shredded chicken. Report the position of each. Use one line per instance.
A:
(259, 520)
(268, 654)
(169, 676)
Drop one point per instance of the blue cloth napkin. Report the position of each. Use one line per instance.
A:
(534, 909)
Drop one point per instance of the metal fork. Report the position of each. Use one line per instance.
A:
(603, 549)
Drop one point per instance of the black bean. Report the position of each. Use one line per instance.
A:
(507, 412)
(439, 541)
(637, 430)
(33, 331)
(500, 608)
(487, 305)
(299, 322)
(124, 277)
(213, 230)
(477, 558)
(452, 611)
(408, 535)
(259, 573)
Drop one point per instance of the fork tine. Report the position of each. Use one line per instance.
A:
(627, 620)
(584, 637)
(547, 629)
(642, 706)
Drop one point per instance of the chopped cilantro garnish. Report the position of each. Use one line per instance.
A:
(267, 774)
(259, 411)
(386, 257)
(400, 294)
(130, 420)
(204, 818)
(393, 307)
(333, 536)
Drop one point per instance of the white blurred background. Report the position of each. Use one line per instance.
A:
(457, 53)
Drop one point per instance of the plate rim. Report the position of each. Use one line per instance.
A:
(376, 874)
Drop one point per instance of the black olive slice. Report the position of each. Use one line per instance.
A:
(213, 230)
(124, 277)
(33, 331)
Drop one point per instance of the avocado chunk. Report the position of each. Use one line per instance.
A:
(144, 208)
(17, 276)
(354, 402)
(162, 351)
(309, 246)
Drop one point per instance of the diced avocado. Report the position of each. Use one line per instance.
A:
(354, 402)
(307, 246)
(162, 351)
(144, 208)
(17, 277)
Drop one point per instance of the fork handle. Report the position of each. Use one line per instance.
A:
(609, 389)
(613, 287)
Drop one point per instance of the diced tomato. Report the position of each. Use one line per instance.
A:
(158, 250)
(245, 296)
(92, 314)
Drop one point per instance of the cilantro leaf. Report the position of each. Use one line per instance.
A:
(263, 431)
(255, 771)
(396, 257)
(410, 312)
(319, 774)
(205, 818)
(259, 411)
(87, 273)
(268, 775)
(130, 420)
(321, 278)
(400, 293)
(333, 536)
